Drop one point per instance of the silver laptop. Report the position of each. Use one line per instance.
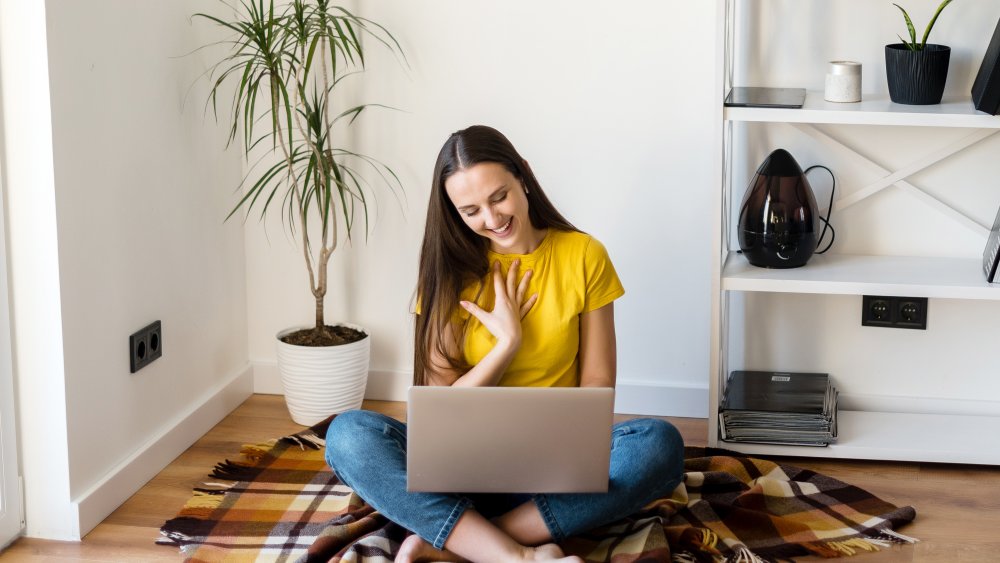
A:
(509, 439)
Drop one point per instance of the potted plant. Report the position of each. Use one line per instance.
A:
(917, 71)
(278, 74)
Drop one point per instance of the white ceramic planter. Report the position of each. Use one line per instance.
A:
(323, 380)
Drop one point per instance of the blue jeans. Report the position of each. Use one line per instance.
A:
(367, 450)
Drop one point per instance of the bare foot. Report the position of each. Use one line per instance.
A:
(414, 549)
(552, 552)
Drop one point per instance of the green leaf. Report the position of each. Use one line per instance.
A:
(909, 26)
(307, 65)
(933, 20)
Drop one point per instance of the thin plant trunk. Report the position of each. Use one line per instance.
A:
(320, 290)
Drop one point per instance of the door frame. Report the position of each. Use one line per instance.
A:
(12, 522)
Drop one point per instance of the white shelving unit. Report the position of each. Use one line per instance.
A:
(899, 437)
(954, 112)
(909, 436)
(955, 278)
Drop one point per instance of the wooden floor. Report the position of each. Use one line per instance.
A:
(958, 507)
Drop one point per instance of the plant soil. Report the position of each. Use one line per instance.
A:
(332, 336)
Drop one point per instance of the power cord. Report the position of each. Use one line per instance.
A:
(829, 211)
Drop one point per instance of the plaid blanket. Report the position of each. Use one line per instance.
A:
(282, 503)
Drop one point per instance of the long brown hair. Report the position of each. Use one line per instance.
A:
(452, 256)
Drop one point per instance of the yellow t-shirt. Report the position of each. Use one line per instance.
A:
(572, 274)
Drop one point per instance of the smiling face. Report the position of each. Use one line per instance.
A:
(492, 202)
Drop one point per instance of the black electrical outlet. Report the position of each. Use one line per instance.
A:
(911, 312)
(876, 311)
(145, 345)
(894, 312)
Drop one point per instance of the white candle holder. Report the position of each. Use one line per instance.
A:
(843, 82)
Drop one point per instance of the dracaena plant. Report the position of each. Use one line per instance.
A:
(278, 74)
(912, 44)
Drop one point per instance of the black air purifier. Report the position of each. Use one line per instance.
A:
(779, 220)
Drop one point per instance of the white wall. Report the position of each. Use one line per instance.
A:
(787, 43)
(615, 110)
(123, 226)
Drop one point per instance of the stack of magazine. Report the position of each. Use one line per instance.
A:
(779, 408)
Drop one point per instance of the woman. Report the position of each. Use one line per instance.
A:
(510, 293)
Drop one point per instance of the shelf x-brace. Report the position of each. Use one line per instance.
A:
(898, 177)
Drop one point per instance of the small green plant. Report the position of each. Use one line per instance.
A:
(912, 44)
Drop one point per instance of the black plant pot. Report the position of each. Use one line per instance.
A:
(916, 77)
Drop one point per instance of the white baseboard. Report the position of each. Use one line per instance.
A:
(632, 397)
(387, 385)
(661, 399)
(130, 475)
(383, 385)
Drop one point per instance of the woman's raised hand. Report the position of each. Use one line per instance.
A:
(509, 307)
